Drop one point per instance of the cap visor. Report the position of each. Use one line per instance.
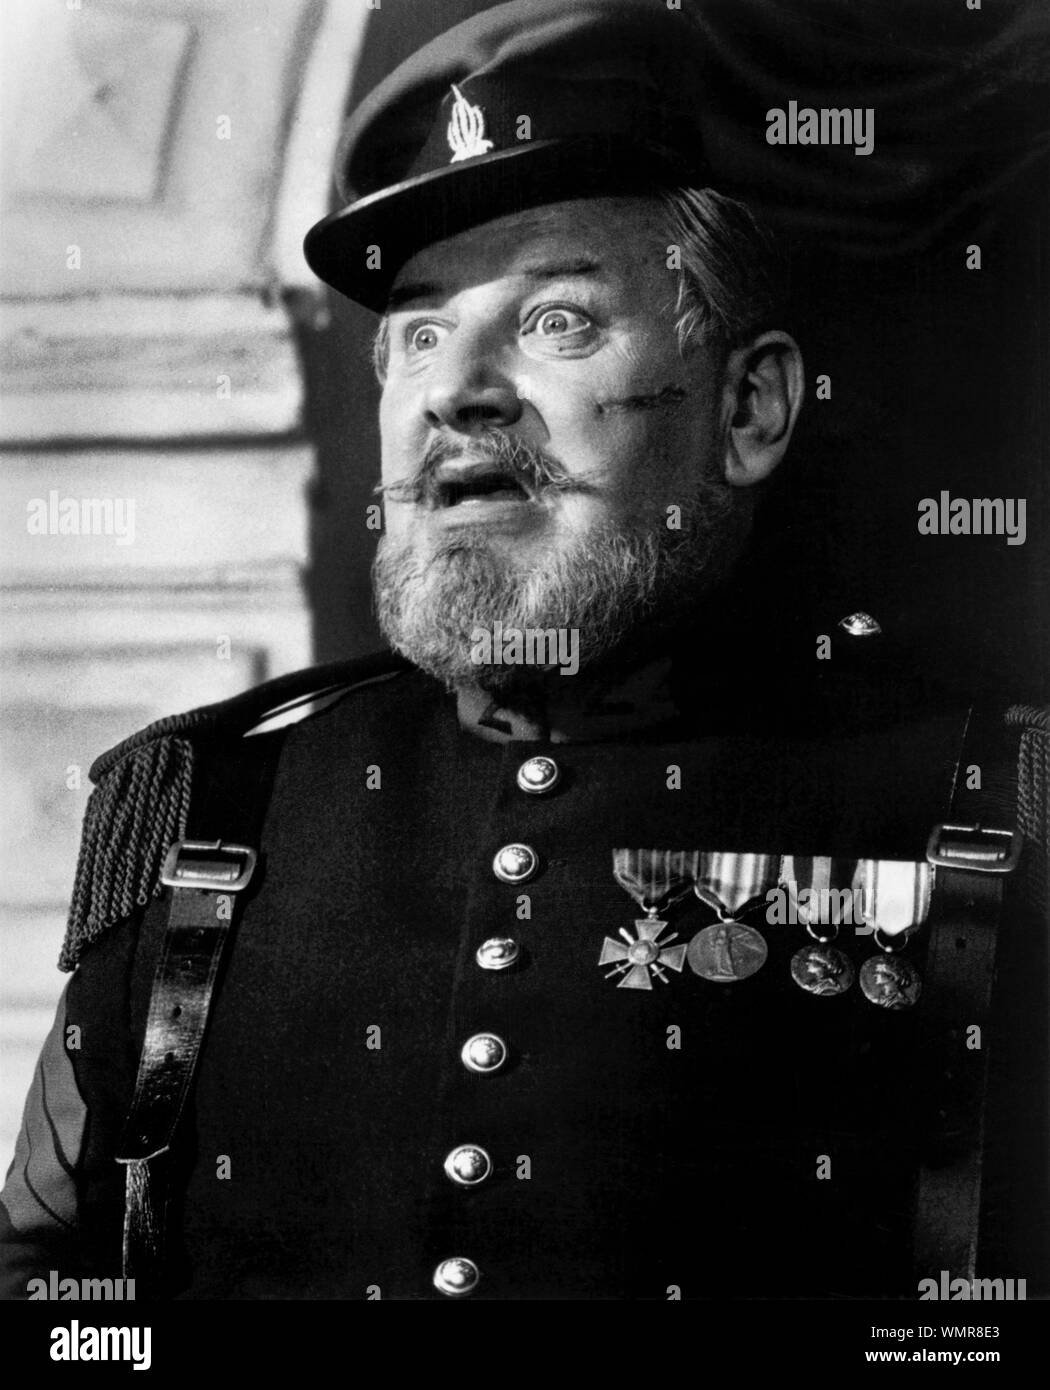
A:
(388, 228)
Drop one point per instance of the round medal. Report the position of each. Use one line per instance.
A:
(727, 951)
(821, 970)
(890, 982)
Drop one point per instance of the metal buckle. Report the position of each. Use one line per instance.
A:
(180, 871)
(976, 849)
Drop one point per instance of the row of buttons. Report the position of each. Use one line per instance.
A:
(516, 863)
(468, 1165)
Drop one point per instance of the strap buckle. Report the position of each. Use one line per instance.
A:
(974, 848)
(208, 864)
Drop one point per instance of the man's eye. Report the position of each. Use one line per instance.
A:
(557, 323)
(424, 337)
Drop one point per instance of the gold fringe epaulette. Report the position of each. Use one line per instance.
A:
(139, 807)
(141, 801)
(1033, 772)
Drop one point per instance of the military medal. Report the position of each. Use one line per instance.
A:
(819, 967)
(644, 955)
(654, 879)
(732, 885)
(888, 980)
(727, 950)
(899, 896)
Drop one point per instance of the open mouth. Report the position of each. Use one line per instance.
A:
(491, 486)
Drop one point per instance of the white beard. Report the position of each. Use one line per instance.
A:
(617, 585)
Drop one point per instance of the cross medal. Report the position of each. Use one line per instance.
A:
(644, 955)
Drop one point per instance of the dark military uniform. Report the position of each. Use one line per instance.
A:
(641, 1141)
(443, 1055)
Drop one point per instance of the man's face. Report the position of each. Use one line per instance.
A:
(550, 331)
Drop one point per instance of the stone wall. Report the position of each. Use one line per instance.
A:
(162, 160)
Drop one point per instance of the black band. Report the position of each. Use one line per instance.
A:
(234, 796)
(964, 917)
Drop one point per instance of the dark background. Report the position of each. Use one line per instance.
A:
(939, 374)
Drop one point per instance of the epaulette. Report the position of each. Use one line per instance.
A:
(141, 801)
(1033, 784)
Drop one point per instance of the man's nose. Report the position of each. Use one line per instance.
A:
(467, 388)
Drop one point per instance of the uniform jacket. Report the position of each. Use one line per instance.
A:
(699, 1139)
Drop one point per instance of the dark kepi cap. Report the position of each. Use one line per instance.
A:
(531, 102)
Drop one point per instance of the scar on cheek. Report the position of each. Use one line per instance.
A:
(668, 396)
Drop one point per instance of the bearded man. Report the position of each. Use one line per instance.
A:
(438, 975)
(570, 431)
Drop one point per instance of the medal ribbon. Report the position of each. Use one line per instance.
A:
(892, 895)
(818, 876)
(736, 879)
(896, 893)
(655, 877)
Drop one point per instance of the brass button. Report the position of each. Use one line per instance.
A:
(456, 1277)
(860, 625)
(484, 1052)
(515, 863)
(538, 775)
(467, 1165)
(497, 953)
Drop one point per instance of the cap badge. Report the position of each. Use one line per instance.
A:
(466, 129)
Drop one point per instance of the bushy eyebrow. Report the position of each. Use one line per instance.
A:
(405, 294)
(563, 270)
(576, 268)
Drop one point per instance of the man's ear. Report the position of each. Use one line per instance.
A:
(761, 396)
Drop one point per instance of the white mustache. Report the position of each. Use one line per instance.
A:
(535, 470)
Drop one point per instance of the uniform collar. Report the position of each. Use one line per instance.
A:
(737, 666)
(575, 709)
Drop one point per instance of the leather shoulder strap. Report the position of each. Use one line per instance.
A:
(206, 877)
(973, 851)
